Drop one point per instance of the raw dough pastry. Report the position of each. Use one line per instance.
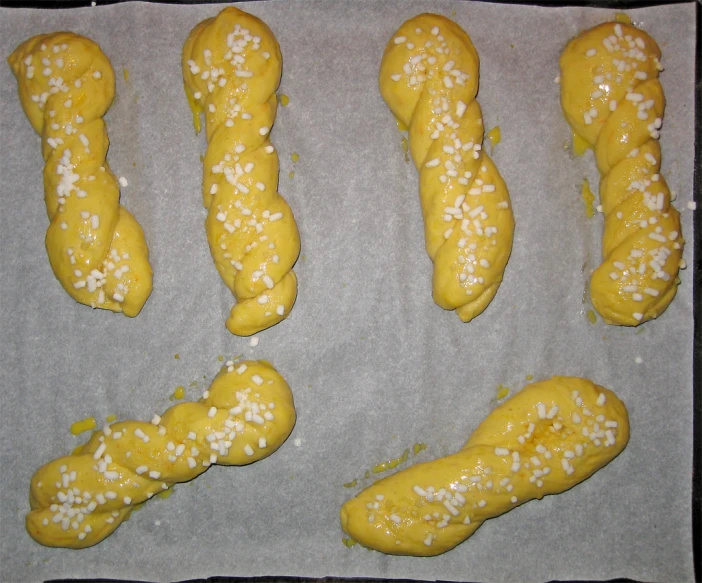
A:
(611, 97)
(544, 440)
(232, 68)
(429, 79)
(80, 499)
(96, 248)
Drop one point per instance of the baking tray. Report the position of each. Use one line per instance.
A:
(154, 377)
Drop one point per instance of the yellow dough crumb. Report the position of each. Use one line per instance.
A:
(179, 393)
(125, 73)
(295, 157)
(284, 100)
(83, 425)
(165, 494)
(430, 65)
(96, 248)
(418, 447)
(390, 464)
(580, 145)
(404, 143)
(622, 17)
(544, 440)
(502, 392)
(110, 418)
(495, 136)
(592, 318)
(588, 199)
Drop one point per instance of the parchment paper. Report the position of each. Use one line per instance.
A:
(374, 365)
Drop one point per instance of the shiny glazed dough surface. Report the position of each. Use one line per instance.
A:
(78, 500)
(232, 68)
(96, 248)
(547, 438)
(612, 98)
(429, 80)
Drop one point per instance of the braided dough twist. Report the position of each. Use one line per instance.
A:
(611, 97)
(80, 499)
(544, 440)
(429, 80)
(232, 67)
(96, 248)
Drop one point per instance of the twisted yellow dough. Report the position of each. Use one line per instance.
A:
(611, 97)
(544, 440)
(80, 499)
(429, 79)
(96, 248)
(232, 67)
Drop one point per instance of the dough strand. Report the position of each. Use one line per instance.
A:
(232, 67)
(96, 248)
(429, 80)
(80, 499)
(612, 98)
(544, 440)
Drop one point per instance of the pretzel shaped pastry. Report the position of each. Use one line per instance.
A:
(80, 499)
(612, 98)
(96, 248)
(429, 80)
(232, 67)
(544, 440)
